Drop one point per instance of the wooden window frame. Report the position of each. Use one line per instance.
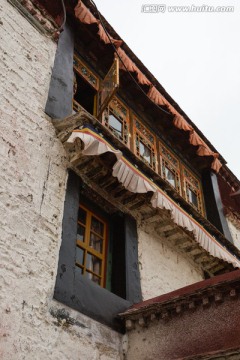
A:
(170, 161)
(83, 70)
(77, 291)
(142, 134)
(108, 87)
(191, 182)
(121, 112)
(85, 245)
(89, 76)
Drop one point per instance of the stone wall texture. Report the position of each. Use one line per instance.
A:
(32, 190)
(204, 330)
(234, 227)
(163, 268)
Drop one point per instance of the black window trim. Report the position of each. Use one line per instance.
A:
(81, 293)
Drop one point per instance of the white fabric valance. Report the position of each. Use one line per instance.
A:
(129, 177)
(94, 144)
(136, 182)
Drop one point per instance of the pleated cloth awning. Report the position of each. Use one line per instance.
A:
(136, 182)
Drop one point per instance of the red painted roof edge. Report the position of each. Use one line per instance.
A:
(188, 290)
(225, 352)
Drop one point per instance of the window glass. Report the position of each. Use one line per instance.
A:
(170, 176)
(144, 143)
(96, 242)
(145, 152)
(81, 233)
(79, 255)
(97, 226)
(93, 277)
(78, 270)
(90, 246)
(93, 264)
(193, 192)
(116, 118)
(82, 216)
(115, 124)
(192, 197)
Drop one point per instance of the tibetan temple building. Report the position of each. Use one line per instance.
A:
(120, 221)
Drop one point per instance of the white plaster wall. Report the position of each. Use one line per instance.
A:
(235, 231)
(162, 267)
(32, 191)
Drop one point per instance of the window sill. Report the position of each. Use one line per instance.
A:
(93, 301)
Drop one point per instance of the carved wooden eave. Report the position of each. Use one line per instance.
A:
(231, 354)
(38, 17)
(96, 174)
(233, 217)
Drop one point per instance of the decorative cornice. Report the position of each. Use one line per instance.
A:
(233, 217)
(230, 354)
(200, 295)
(65, 127)
(37, 16)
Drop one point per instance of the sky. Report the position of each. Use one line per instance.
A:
(195, 55)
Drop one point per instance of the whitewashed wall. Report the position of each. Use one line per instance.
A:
(234, 227)
(162, 267)
(32, 191)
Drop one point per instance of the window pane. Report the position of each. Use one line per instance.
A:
(82, 216)
(93, 277)
(115, 124)
(81, 233)
(192, 197)
(170, 177)
(93, 264)
(145, 152)
(78, 271)
(79, 255)
(96, 242)
(97, 226)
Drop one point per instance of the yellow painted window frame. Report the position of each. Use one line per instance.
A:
(84, 245)
(108, 87)
(78, 66)
(142, 134)
(169, 160)
(192, 182)
(124, 117)
(83, 70)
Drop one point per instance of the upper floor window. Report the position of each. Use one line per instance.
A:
(85, 87)
(170, 167)
(144, 143)
(98, 98)
(91, 246)
(192, 190)
(116, 118)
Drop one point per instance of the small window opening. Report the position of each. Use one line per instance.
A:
(145, 152)
(192, 197)
(170, 177)
(84, 94)
(115, 125)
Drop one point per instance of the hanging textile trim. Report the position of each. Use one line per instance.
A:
(135, 181)
(85, 16)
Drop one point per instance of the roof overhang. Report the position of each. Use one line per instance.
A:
(200, 321)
